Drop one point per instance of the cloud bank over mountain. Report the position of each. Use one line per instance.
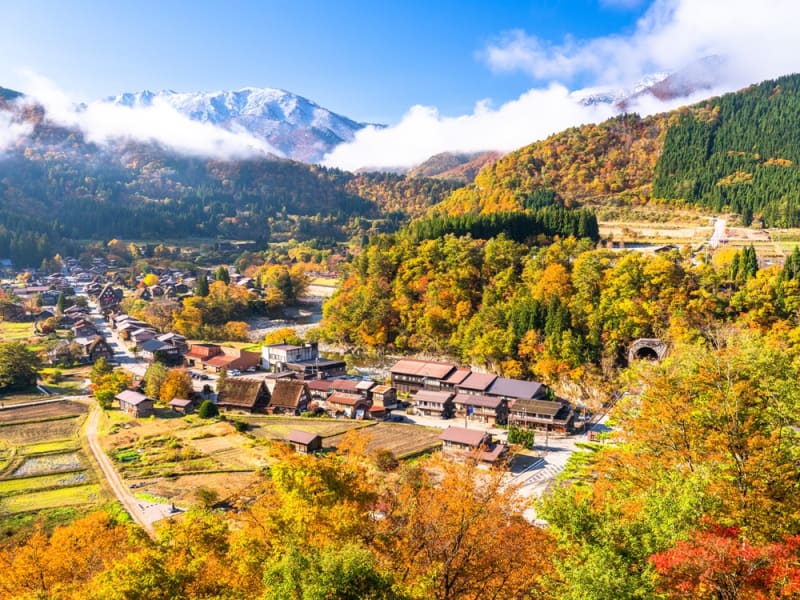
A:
(754, 41)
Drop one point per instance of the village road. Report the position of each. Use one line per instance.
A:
(143, 514)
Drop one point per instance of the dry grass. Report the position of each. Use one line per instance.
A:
(403, 440)
(277, 428)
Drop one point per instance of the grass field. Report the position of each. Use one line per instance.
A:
(277, 428)
(51, 447)
(29, 484)
(67, 496)
(11, 332)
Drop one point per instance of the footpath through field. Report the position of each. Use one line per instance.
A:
(143, 515)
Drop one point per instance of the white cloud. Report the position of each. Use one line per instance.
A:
(10, 131)
(423, 132)
(103, 123)
(757, 42)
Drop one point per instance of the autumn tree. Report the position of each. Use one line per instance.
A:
(154, 378)
(457, 532)
(178, 384)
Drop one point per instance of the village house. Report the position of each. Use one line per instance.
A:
(288, 397)
(303, 442)
(142, 334)
(250, 395)
(384, 395)
(546, 415)
(410, 375)
(432, 403)
(476, 383)
(304, 360)
(460, 443)
(176, 340)
(135, 404)
(155, 350)
(513, 389)
(352, 406)
(320, 388)
(212, 357)
(181, 406)
(484, 409)
(94, 348)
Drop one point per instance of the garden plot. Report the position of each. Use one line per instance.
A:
(39, 432)
(42, 412)
(43, 482)
(50, 463)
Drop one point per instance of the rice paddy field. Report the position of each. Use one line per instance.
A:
(43, 467)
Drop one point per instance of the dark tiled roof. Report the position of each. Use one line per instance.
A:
(515, 388)
(478, 381)
(478, 400)
(537, 407)
(153, 345)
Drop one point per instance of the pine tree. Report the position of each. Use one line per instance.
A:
(202, 284)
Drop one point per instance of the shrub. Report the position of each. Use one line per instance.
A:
(385, 460)
(208, 410)
(240, 426)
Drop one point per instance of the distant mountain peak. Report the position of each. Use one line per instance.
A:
(298, 127)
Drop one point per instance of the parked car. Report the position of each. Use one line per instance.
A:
(234, 372)
(250, 370)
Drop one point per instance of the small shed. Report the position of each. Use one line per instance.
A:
(135, 404)
(181, 405)
(304, 442)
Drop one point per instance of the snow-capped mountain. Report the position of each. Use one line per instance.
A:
(296, 126)
(615, 95)
(700, 75)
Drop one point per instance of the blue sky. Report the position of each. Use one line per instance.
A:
(368, 60)
(445, 75)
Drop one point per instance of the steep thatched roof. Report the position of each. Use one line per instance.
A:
(288, 393)
(243, 393)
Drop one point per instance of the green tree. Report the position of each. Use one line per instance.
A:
(222, 274)
(207, 410)
(154, 378)
(202, 284)
(60, 303)
(19, 365)
(223, 375)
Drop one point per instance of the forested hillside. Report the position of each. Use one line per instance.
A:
(58, 188)
(738, 152)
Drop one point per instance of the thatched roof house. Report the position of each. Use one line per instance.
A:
(243, 394)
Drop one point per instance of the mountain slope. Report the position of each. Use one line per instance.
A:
(454, 166)
(299, 128)
(738, 152)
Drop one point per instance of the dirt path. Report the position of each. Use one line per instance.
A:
(131, 504)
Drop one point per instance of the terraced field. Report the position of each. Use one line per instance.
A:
(42, 465)
(404, 441)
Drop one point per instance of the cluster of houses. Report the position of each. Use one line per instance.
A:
(440, 389)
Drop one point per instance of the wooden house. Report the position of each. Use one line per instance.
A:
(460, 442)
(181, 405)
(409, 375)
(484, 409)
(384, 395)
(303, 442)
(288, 397)
(435, 404)
(547, 415)
(135, 404)
(250, 395)
(353, 406)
